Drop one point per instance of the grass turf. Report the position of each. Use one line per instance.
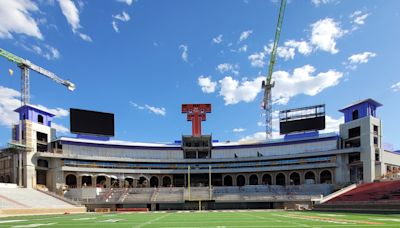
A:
(207, 219)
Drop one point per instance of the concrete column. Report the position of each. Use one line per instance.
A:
(79, 182)
(93, 181)
(108, 182)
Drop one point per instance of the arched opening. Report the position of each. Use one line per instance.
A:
(86, 181)
(23, 116)
(240, 180)
(280, 179)
(128, 182)
(228, 180)
(309, 177)
(166, 181)
(253, 179)
(40, 119)
(355, 114)
(101, 181)
(325, 177)
(70, 181)
(154, 181)
(294, 178)
(114, 182)
(1, 179)
(142, 181)
(7, 179)
(266, 179)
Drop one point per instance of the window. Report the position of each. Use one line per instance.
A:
(376, 130)
(354, 132)
(190, 154)
(376, 156)
(355, 114)
(376, 141)
(40, 119)
(354, 157)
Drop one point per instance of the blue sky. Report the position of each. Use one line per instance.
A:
(142, 59)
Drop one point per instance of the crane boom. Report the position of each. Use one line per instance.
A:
(267, 85)
(276, 40)
(25, 65)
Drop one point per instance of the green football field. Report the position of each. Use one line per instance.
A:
(207, 219)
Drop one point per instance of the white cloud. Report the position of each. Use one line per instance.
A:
(244, 35)
(286, 52)
(395, 87)
(58, 112)
(359, 17)
(184, 54)
(234, 91)
(115, 26)
(319, 2)
(155, 110)
(15, 17)
(218, 39)
(302, 47)
(10, 100)
(47, 51)
(243, 48)
(124, 17)
(302, 81)
(207, 86)
(225, 67)
(85, 37)
(239, 130)
(71, 13)
(257, 59)
(332, 125)
(59, 128)
(324, 34)
(361, 57)
(128, 2)
(158, 111)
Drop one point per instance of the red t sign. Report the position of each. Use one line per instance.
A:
(196, 113)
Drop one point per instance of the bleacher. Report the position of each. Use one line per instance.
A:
(169, 195)
(379, 196)
(29, 200)
(139, 195)
(269, 193)
(379, 191)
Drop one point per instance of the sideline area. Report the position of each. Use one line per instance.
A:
(235, 218)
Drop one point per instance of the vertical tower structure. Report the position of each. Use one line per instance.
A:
(363, 130)
(197, 145)
(196, 113)
(33, 133)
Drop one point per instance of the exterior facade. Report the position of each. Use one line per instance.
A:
(37, 158)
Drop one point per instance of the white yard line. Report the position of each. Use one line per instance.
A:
(151, 221)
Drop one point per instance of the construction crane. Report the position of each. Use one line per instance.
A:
(267, 85)
(25, 66)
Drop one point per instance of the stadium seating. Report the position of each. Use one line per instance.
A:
(378, 191)
(377, 196)
(29, 198)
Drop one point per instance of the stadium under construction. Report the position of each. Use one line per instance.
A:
(195, 172)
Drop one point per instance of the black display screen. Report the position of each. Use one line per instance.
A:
(317, 123)
(91, 122)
